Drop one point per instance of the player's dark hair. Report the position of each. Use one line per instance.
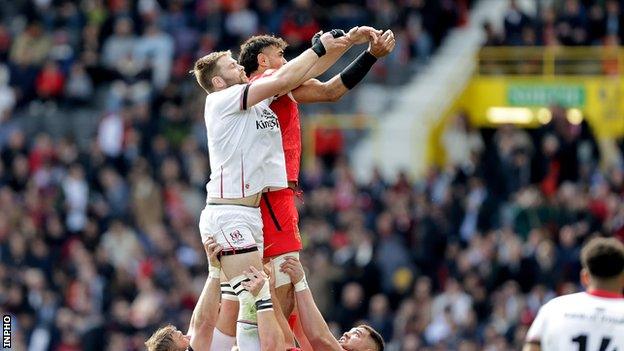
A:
(603, 257)
(253, 46)
(375, 336)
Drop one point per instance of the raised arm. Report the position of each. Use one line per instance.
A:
(290, 75)
(315, 91)
(206, 312)
(314, 326)
(271, 336)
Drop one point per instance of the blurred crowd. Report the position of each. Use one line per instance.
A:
(99, 243)
(98, 248)
(62, 51)
(560, 22)
(98, 235)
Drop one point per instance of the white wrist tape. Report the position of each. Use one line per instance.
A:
(214, 272)
(301, 285)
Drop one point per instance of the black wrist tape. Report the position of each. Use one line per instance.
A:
(316, 38)
(319, 48)
(337, 33)
(355, 72)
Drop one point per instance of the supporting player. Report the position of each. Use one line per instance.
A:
(246, 159)
(204, 317)
(261, 56)
(360, 338)
(590, 320)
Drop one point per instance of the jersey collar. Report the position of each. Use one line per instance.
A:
(605, 294)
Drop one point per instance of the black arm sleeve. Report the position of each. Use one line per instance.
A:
(355, 72)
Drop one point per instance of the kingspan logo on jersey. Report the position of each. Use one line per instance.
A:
(268, 120)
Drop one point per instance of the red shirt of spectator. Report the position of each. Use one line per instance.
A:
(50, 81)
(299, 26)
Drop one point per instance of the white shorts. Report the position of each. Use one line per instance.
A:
(233, 227)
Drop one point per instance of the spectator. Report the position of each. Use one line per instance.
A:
(155, 49)
(299, 25)
(32, 46)
(50, 82)
(120, 46)
(515, 21)
(79, 87)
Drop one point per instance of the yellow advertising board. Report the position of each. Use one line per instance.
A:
(491, 100)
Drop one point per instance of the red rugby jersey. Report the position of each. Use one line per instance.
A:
(287, 112)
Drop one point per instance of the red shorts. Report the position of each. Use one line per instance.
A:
(280, 223)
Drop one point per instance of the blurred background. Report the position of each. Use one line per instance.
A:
(445, 198)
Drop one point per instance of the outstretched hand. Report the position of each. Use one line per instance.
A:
(257, 279)
(383, 46)
(363, 34)
(330, 43)
(212, 252)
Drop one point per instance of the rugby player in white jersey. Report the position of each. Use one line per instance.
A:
(246, 159)
(588, 321)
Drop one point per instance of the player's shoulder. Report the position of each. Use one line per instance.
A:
(566, 300)
(225, 93)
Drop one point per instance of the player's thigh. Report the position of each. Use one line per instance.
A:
(285, 297)
(280, 223)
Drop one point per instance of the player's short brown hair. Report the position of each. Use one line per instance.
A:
(603, 257)
(375, 336)
(206, 68)
(162, 340)
(253, 46)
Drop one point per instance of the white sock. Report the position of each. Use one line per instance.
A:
(247, 337)
(221, 342)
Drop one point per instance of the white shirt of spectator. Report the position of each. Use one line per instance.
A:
(244, 145)
(110, 135)
(580, 322)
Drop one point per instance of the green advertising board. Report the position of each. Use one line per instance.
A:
(546, 94)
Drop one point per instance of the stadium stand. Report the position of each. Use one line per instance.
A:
(103, 174)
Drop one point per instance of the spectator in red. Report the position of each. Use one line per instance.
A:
(50, 81)
(299, 25)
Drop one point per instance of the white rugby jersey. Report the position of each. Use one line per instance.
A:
(580, 322)
(244, 144)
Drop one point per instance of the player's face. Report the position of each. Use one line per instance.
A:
(231, 72)
(181, 340)
(355, 339)
(275, 56)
